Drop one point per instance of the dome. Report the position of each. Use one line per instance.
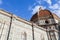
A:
(41, 14)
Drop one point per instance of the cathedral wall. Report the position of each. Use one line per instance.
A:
(40, 34)
(23, 31)
(4, 25)
(57, 36)
(20, 31)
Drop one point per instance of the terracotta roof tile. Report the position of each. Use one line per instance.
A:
(42, 13)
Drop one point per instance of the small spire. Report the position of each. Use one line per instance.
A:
(40, 8)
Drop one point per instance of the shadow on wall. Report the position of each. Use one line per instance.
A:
(59, 32)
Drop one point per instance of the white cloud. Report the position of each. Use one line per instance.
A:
(57, 12)
(36, 8)
(40, 1)
(1, 2)
(55, 6)
(48, 1)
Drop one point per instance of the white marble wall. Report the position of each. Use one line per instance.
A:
(40, 34)
(17, 31)
(20, 30)
(4, 25)
(57, 36)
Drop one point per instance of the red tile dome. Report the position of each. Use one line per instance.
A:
(41, 14)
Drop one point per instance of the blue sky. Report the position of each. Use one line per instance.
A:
(26, 8)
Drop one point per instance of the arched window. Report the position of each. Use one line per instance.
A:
(23, 36)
